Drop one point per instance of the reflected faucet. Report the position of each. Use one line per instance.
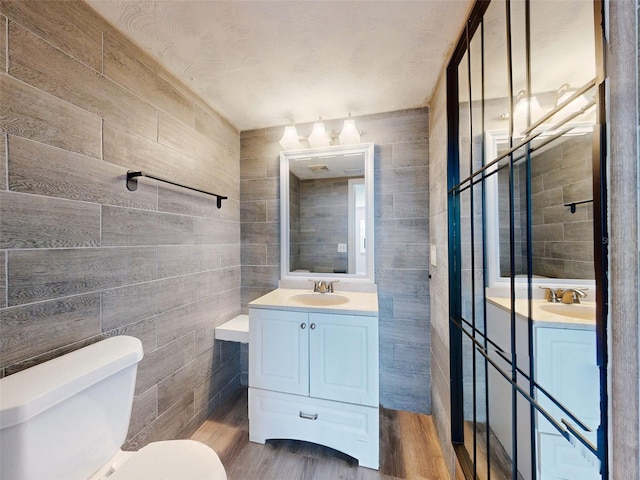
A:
(573, 295)
(551, 295)
(570, 295)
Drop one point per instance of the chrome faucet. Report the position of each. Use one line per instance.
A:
(573, 295)
(320, 286)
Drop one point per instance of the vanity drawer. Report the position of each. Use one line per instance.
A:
(352, 429)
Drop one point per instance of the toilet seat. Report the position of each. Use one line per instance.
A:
(172, 460)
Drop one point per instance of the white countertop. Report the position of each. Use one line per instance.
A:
(542, 317)
(359, 303)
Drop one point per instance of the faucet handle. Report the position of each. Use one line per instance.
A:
(573, 295)
(316, 284)
(330, 285)
(551, 295)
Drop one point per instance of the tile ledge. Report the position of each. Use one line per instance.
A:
(235, 330)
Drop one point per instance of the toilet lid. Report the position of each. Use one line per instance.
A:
(172, 460)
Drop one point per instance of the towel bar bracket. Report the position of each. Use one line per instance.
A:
(132, 182)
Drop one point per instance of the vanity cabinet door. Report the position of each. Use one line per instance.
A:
(566, 367)
(279, 353)
(344, 358)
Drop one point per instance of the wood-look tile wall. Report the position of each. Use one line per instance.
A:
(81, 257)
(402, 238)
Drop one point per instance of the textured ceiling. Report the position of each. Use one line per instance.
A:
(263, 64)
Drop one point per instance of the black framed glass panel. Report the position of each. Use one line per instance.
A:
(527, 329)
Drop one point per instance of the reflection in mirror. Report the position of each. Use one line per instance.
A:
(327, 212)
(561, 176)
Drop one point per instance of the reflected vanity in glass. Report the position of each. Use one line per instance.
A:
(326, 211)
(524, 119)
(560, 371)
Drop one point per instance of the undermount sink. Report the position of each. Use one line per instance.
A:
(318, 299)
(573, 310)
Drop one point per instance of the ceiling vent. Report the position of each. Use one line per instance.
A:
(318, 168)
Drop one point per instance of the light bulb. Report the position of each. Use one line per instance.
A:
(525, 106)
(350, 134)
(318, 137)
(289, 140)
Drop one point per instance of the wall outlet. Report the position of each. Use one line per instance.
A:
(342, 247)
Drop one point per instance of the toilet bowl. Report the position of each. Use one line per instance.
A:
(67, 419)
(170, 459)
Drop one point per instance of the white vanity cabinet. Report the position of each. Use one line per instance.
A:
(314, 376)
(566, 367)
(564, 363)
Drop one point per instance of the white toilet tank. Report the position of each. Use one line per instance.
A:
(63, 419)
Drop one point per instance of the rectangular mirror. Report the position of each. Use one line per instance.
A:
(326, 213)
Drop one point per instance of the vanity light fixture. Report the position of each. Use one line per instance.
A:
(318, 137)
(350, 134)
(565, 92)
(290, 140)
(524, 105)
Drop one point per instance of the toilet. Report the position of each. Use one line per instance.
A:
(67, 418)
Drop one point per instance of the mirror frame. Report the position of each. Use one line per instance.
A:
(285, 158)
(494, 279)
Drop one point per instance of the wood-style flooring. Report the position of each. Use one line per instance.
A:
(498, 466)
(409, 449)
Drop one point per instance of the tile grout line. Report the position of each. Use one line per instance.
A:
(6, 45)
(6, 160)
(102, 53)
(6, 278)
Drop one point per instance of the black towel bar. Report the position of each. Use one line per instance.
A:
(572, 205)
(132, 184)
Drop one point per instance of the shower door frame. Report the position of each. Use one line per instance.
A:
(600, 233)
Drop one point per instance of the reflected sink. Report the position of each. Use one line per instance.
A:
(319, 299)
(584, 312)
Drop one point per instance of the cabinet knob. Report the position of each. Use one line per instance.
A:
(312, 326)
(303, 326)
